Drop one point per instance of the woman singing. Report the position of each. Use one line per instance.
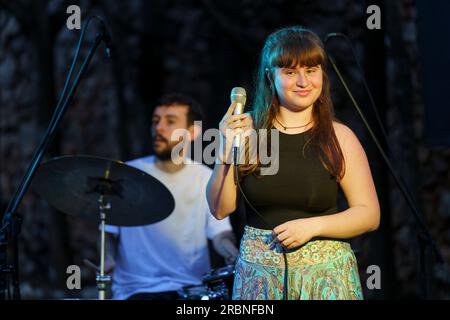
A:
(294, 242)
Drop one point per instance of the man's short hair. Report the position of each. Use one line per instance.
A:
(195, 111)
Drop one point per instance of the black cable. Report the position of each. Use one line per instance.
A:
(424, 237)
(236, 179)
(238, 184)
(285, 287)
(366, 86)
(398, 178)
(55, 116)
(55, 113)
(72, 67)
(372, 101)
(6, 220)
(39, 153)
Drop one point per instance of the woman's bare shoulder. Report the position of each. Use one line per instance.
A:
(346, 136)
(342, 131)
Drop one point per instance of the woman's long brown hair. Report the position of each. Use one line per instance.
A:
(288, 48)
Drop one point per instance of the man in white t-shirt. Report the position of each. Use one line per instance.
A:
(156, 260)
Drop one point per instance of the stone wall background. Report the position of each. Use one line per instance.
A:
(204, 48)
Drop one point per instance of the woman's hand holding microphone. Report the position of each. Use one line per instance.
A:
(230, 126)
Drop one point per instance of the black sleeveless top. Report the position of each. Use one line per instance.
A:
(302, 188)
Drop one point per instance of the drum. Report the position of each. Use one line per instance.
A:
(220, 281)
(217, 285)
(203, 292)
(219, 275)
(193, 293)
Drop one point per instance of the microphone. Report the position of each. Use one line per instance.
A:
(330, 35)
(239, 96)
(106, 40)
(335, 35)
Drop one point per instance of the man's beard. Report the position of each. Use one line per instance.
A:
(165, 154)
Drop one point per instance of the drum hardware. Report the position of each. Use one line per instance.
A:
(11, 221)
(105, 191)
(217, 285)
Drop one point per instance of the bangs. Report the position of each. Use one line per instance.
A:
(300, 51)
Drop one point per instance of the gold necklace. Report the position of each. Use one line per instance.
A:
(286, 128)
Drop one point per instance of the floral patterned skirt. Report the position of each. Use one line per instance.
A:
(318, 270)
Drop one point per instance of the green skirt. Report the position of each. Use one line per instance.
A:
(318, 270)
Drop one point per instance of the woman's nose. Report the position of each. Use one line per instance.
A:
(302, 79)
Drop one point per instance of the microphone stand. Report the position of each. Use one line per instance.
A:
(11, 223)
(424, 238)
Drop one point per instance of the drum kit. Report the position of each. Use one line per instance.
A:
(217, 285)
(109, 192)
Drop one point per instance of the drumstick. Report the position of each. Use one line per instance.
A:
(91, 265)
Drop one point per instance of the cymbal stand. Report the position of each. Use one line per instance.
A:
(102, 279)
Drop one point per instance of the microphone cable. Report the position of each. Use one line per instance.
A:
(238, 184)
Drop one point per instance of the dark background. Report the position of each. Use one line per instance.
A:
(205, 48)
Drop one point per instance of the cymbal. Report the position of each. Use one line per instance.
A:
(74, 185)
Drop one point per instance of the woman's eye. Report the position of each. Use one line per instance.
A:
(290, 72)
(311, 70)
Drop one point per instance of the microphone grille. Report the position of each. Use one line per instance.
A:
(239, 95)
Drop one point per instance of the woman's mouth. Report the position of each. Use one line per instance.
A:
(302, 93)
